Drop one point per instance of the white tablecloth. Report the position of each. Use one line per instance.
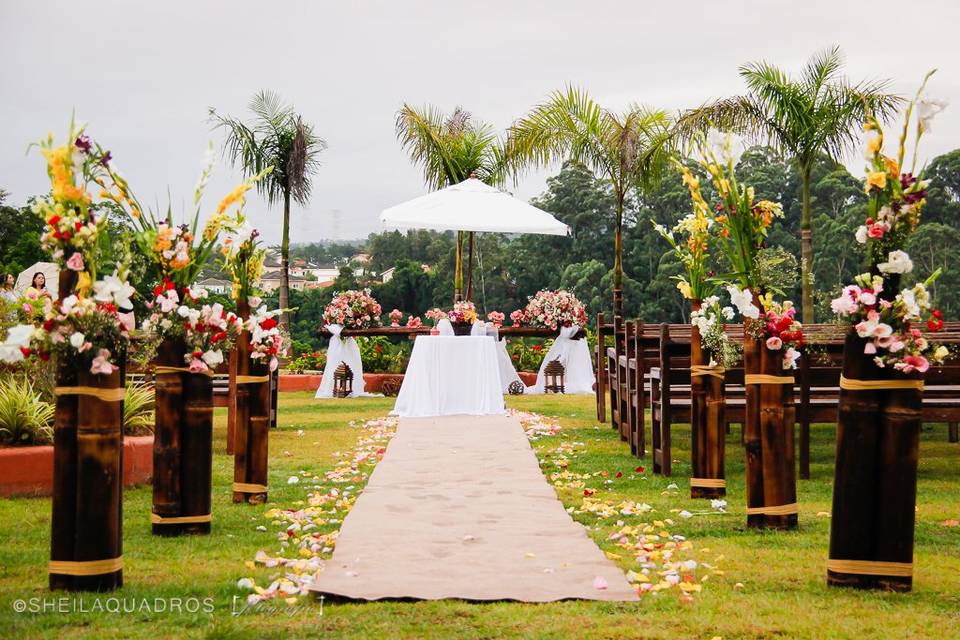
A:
(451, 375)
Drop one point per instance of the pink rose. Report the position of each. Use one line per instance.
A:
(101, 364)
(774, 343)
(75, 262)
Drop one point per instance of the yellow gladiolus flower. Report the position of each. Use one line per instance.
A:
(684, 287)
(238, 194)
(875, 179)
(874, 144)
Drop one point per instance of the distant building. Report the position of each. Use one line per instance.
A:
(271, 282)
(387, 275)
(214, 285)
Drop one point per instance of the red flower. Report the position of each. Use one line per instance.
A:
(25, 351)
(537, 347)
(619, 474)
(639, 469)
(53, 220)
(937, 314)
(77, 225)
(268, 324)
(49, 324)
(935, 325)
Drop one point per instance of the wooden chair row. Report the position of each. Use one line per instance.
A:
(647, 366)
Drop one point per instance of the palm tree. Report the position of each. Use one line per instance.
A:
(629, 149)
(279, 138)
(819, 113)
(450, 149)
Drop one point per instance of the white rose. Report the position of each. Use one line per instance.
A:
(77, 339)
(897, 262)
(861, 234)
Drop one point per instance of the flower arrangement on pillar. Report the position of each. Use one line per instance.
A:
(881, 387)
(191, 338)
(86, 330)
(740, 227)
(255, 358)
(710, 351)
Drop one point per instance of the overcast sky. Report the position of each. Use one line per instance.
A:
(142, 76)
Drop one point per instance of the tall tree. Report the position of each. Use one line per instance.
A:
(276, 137)
(450, 149)
(820, 112)
(627, 149)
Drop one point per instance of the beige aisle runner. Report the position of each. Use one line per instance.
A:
(458, 508)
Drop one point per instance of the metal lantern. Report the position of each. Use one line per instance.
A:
(516, 388)
(342, 381)
(553, 377)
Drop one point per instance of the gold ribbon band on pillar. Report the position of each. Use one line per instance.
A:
(85, 567)
(158, 519)
(244, 487)
(763, 378)
(871, 567)
(778, 510)
(251, 379)
(715, 371)
(115, 394)
(708, 483)
(852, 384)
(165, 369)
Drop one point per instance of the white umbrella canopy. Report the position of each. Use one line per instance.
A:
(50, 270)
(472, 205)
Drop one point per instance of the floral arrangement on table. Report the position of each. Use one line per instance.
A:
(889, 320)
(709, 320)
(414, 322)
(88, 329)
(554, 309)
(436, 315)
(516, 317)
(496, 317)
(353, 309)
(395, 317)
(463, 312)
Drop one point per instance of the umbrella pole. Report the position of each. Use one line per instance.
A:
(470, 268)
(458, 270)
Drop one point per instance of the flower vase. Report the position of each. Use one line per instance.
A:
(708, 429)
(86, 542)
(183, 444)
(875, 475)
(461, 328)
(768, 427)
(252, 384)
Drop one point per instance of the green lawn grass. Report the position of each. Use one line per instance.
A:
(783, 592)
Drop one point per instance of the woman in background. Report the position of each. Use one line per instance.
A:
(38, 287)
(6, 290)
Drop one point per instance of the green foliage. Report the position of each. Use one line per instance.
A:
(20, 231)
(380, 355)
(25, 419)
(138, 407)
(528, 355)
(308, 361)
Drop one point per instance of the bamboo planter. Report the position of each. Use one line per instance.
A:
(183, 445)
(875, 477)
(768, 437)
(708, 430)
(86, 538)
(252, 423)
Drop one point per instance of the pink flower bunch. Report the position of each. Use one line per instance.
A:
(353, 309)
(436, 314)
(266, 340)
(395, 317)
(414, 321)
(516, 317)
(496, 317)
(888, 326)
(783, 331)
(555, 309)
